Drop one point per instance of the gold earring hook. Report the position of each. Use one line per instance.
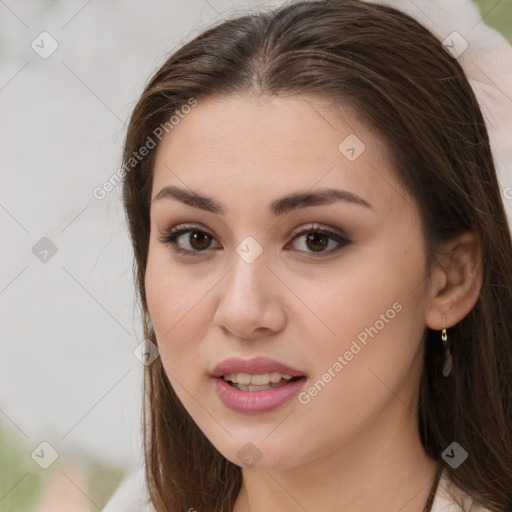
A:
(444, 336)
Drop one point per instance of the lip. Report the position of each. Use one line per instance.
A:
(255, 366)
(254, 402)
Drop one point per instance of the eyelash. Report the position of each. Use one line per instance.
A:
(170, 238)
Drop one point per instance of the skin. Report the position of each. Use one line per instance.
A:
(355, 446)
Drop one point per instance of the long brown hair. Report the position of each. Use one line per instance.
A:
(403, 83)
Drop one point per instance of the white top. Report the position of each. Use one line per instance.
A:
(131, 496)
(446, 494)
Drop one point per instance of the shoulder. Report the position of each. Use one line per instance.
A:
(131, 495)
(451, 498)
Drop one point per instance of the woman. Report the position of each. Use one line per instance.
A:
(324, 262)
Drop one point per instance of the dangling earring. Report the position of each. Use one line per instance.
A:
(448, 360)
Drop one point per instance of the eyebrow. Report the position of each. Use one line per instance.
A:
(280, 206)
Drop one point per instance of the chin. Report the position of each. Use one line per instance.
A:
(261, 453)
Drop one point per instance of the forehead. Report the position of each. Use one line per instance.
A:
(261, 145)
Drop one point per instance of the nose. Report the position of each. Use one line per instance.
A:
(250, 303)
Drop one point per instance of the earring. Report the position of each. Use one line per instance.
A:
(448, 360)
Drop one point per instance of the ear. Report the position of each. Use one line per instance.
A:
(455, 281)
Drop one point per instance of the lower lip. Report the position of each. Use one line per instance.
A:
(256, 401)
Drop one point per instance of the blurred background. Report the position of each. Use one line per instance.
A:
(71, 377)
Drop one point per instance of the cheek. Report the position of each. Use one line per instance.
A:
(177, 306)
(180, 319)
(379, 289)
(372, 316)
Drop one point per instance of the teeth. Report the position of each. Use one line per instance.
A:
(260, 380)
(253, 388)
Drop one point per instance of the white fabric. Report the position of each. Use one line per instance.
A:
(131, 496)
(487, 63)
(447, 496)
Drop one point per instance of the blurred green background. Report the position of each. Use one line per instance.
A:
(497, 14)
(22, 481)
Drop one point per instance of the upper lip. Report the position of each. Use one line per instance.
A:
(254, 366)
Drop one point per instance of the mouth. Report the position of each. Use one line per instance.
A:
(257, 371)
(257, 382)
(256, 385)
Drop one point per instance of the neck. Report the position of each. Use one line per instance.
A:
(383, 468)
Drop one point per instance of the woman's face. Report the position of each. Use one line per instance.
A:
(341, 310)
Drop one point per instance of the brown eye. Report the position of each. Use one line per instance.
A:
(187, 240)
(190, 241)
(319, 241)
(199, 240)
